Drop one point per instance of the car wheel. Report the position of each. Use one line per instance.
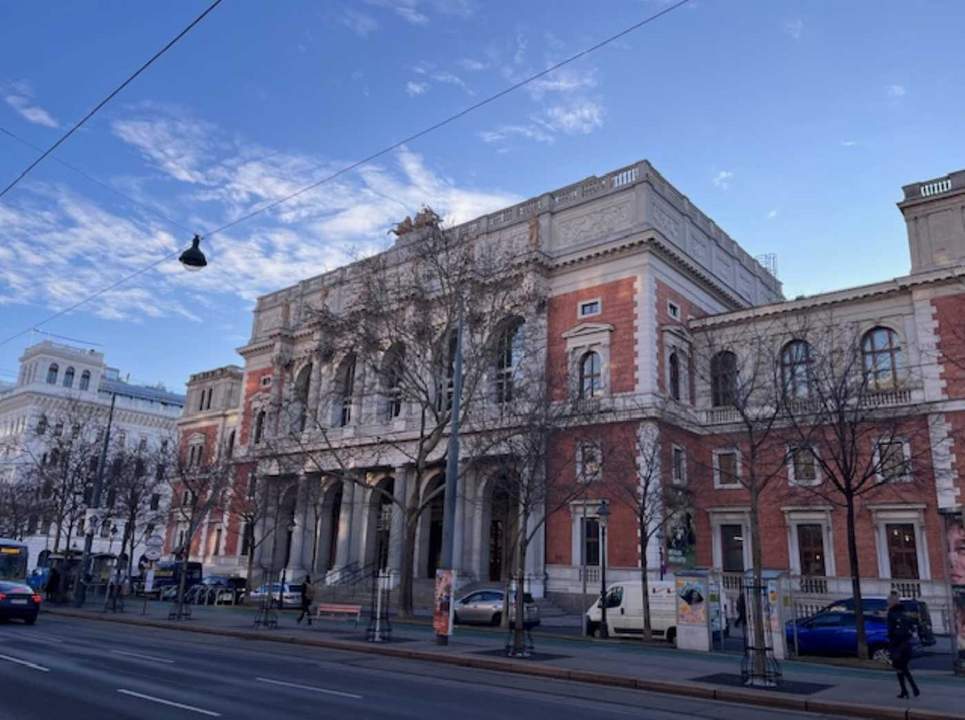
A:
(30, 620)
(592, 629)
(672, 636)
(497, 618)
(881, 654)
(455, 618)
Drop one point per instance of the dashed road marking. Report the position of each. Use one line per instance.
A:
(152, 658)
(169, 703)
(32, 666)
(311, 688)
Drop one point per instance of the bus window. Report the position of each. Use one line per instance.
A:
(13, 561)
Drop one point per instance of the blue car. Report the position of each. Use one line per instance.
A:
(833, 632)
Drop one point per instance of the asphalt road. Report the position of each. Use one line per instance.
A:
(76, 669)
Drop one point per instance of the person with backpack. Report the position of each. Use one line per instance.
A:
(308, 595)
(899, 645)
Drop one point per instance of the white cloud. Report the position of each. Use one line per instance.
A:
(772, 214)
(362, 24)
(896, 91)
(472, 65)
(19, 96)
(577, 118)
(416, 88)
(794, 28)
(505, 132)
(417, 12)
(848, 143)
(722, 179)
(428, 72)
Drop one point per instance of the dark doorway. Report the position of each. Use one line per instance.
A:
(732, 548)
(502, 534)
(381, 517)
(435, 514)
(336, 512)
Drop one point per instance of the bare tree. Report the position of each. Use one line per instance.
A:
(248, 501)
(854, 426)
(739, 366)
(137, 488)
(636, 479)
(20, 507)
(391, 344)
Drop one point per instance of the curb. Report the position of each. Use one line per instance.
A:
(665, 687)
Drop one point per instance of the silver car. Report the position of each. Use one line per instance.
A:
(485, 607)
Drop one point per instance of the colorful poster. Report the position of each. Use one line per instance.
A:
(691, 601)
(681, 541)
(442, 615)
(955, 539)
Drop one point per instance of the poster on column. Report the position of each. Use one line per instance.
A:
(955, 537)
(442, 615)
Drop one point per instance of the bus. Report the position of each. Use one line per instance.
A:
(13, 561)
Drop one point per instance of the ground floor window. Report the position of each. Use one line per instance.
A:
(902, 551)
(732, 548)
(810, 545)
(591, 541)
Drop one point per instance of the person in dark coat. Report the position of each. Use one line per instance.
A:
(308, 595)
(53, 584)
(899, 645)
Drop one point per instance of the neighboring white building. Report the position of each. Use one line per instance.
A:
(54, 377)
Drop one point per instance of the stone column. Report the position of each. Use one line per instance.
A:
(397, 530)
(345, 528)
(536, 556)
(297, 562)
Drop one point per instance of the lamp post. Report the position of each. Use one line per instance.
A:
(603, 514)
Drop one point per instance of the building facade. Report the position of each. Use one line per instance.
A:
(637, 285)
(64, 391)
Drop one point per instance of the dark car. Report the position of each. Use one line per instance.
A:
(915, 610)
(834, 632)
(19, 601)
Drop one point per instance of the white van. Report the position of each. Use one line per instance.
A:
(624, 610)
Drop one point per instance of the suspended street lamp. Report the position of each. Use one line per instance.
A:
(192, 258)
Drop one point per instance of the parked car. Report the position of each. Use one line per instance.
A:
(833, 632)
(217, 588)
(291, 594)
(19, 601)
(915, 610)
(485, 607)
(624, 613)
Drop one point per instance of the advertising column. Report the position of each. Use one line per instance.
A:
(955, 563)
(693, 616)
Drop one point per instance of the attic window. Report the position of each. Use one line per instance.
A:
(266, 381)
(673, 309)
(590, 307)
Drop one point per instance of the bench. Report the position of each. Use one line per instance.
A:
(339, 610)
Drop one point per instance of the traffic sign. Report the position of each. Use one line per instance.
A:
(155, 541)
(152, 554)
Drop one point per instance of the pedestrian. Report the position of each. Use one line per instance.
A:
(741, 611)
(53, 584)
(899, 645)
(308, 594)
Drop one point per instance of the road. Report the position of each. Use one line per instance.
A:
(78, 669)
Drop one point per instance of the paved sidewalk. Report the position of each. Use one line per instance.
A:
(858, 692)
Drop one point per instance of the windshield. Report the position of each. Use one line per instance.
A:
(13, 563)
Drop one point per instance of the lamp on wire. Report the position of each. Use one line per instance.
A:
(192, 258)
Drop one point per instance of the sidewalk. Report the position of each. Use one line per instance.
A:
(808, 686)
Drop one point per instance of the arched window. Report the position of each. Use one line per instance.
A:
(723, 379)
(69, 377)
(881, 352)
(796, 369)
(591, 375)
(302, 385)
(52, 374)
(346, 390)
(447, 359)
(508, 352)
(674, 363)
(85, 380)
(259, 426)
(231, 444)
(42, 425)
(393, 367)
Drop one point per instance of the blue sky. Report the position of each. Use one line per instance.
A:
(792, 124)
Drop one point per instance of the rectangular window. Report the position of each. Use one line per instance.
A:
(803, 466)
(155, 501)
(727, 468)
(902, 551)
(673, 310)
(893, 465)
(732, 548)
(247, 539)
(590, 307)
(810, 545)
(589, 462)
(216, 550)
(266, 381)
(679, 466)
(591, 541)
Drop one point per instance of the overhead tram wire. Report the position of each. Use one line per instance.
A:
(369, 158)
(107, 99)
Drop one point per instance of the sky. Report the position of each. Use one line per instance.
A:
(792, 124)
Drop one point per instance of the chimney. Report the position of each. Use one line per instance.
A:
(934, 211)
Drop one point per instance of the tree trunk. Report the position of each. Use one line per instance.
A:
(855, 580)
(645, 581)
(519, 611)
(182, 581)
(407, 569)
(759, 659)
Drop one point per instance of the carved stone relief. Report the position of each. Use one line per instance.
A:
(598, 223)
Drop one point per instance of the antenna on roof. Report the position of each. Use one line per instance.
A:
(769, 262)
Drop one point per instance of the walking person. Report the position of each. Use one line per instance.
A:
(308, 595)
(899, 645)
(741, 620)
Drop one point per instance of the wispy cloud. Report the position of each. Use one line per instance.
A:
(848, 143)
(472, 65)
(506, 132)
(416, 88)
(896, 91)
(794, 28)
(362, 24)
(418, 12)
(722, 179)
(19, 96)
(429, 73)
(772, 214)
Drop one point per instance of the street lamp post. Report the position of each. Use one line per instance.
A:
(603, 514)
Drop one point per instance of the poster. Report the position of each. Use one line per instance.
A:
(955, 546)
(691, 601)
(442, 614)
(681, 541)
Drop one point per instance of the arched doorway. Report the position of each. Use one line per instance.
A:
(379, 535)
(433, 517)
(284, 528)
(503, 524)
(333, 514)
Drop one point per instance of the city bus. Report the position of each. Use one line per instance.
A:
(13, 561)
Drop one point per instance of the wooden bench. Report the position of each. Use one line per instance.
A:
(339, 610)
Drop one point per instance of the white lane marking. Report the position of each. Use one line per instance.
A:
(152, 658)
(31, 665)
(170, 703)
(310, 687)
